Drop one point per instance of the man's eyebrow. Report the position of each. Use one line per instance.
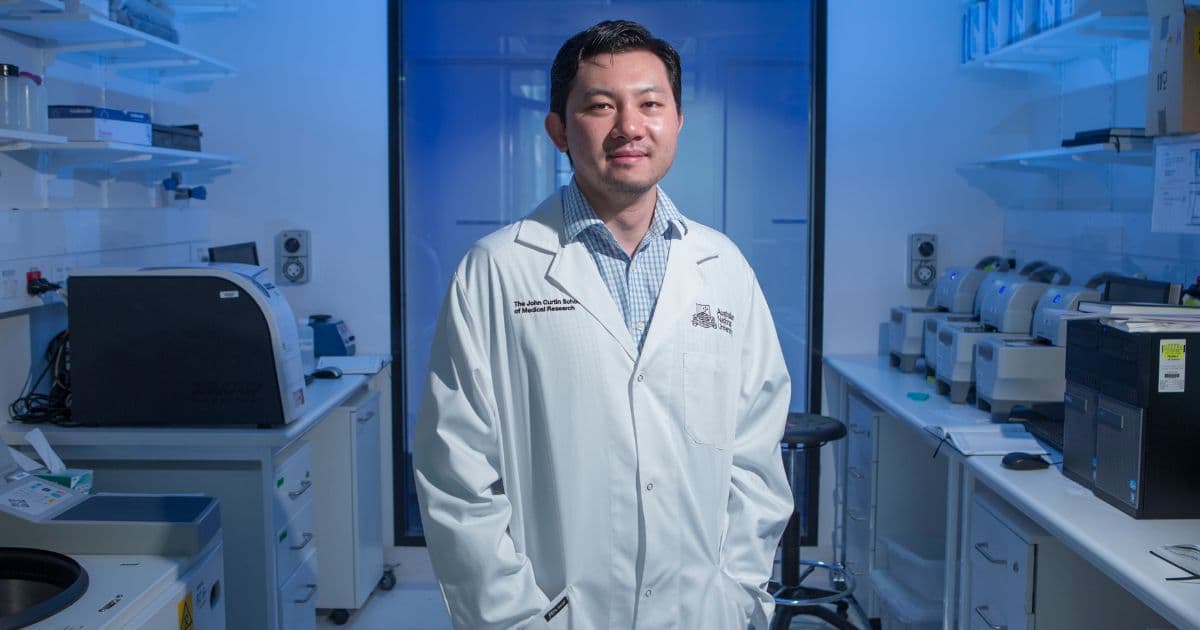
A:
(647, 89)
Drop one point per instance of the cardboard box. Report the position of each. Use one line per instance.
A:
(1173, 84)
(1022, 19)
(85, 123)
(997, 24)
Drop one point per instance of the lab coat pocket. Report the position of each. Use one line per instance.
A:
(705, 415)
(557, 614)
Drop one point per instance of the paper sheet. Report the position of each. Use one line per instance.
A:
(1176, 186)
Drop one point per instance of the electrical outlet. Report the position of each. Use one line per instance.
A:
(922, 260)
(292, 257)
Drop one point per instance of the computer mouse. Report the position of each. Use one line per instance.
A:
(327, 372)
(1024, 461)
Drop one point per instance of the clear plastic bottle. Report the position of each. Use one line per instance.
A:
(33, 116)
(10, 95)
(307, 358)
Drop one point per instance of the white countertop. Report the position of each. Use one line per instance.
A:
(1116, 543)
(889, 388)
(323, 396)
(1113, 541)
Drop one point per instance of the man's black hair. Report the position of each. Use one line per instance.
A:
(608, 38)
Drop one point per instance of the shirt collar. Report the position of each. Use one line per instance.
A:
(578, 215)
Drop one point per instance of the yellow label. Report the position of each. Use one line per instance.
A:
(185, 613)
(1173, 350)
(1196, 41)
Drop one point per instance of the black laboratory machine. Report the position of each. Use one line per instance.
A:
(195, 345)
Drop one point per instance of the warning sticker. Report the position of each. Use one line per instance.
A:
(1172, 359)
(185, 613)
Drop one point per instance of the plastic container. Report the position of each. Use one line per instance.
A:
(32, 111)
(10, 96)
(918, 565)
(308, 359)
(902, 609)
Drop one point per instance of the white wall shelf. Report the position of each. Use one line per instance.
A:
(118, 156)
(1087, 36)
(199, 8)
(129, 51)
(16, 140)
(1089, 156)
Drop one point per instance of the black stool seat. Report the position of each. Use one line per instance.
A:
(810, 429)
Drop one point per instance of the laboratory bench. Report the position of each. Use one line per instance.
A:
(264, 479)
(915, 509)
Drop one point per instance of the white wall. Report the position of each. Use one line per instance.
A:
(902, 118)
(308, 115)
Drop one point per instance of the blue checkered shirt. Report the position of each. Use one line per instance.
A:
(634, 281)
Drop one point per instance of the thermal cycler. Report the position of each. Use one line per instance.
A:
(1006, 312)
(954, 294)
(1010, 372)
(106, 561)
(200, 345)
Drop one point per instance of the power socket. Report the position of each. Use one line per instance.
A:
(922, 260)
(293, 250)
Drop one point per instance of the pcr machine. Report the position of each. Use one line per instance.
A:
(954, 294)
(202, 345)
(106, 561)
(1031, 370)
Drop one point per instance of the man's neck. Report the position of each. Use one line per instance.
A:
(627, 218)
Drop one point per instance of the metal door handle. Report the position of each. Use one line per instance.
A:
(366, 417)
(854, 472)
(312, 590)
(854, 428)
(304, 486)
(850, 513)
(979, 611)
(982, 549)
(307, 539)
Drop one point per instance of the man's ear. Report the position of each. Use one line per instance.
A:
(556, 130)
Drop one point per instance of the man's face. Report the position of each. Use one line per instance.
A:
(621, 126)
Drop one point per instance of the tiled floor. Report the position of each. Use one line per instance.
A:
(416, 603)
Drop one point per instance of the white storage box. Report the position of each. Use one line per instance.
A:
(1070, 9)
(997, 24)
(85, 123)
(1047, 16)
(1022, 19)
(901, 609)
(919, 565)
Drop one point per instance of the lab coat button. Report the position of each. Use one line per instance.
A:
(641, 377)
(649, 486)
(648, 592)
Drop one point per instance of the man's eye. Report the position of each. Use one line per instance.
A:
(652, 104)
(599, 106)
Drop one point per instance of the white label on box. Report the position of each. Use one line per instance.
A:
(1172, 359)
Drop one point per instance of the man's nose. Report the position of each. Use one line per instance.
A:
(628, 125)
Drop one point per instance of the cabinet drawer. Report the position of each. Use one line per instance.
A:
(1002, 570)
(294, 541)
(293, 485)
(298, 596)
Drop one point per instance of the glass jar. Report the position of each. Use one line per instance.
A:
(33, 115)
(10, 95)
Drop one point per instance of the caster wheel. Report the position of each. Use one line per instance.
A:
(339, 616)
(388, 581)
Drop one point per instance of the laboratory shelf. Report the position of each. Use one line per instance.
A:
(1091, 35)
(199, 8)
(118, 156)
(1092, 155)
(129, 51)
(16, 140)
(9, 7)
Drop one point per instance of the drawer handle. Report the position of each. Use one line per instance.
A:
(307, 539)
(366, 417)
(853, 516)
(982, 549)
(979, 611)
(312, 590)
(854, 428)
(304, 486)
(854, 472)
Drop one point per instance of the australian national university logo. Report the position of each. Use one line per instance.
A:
(704, 319)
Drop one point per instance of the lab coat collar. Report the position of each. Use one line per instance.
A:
(574, 271)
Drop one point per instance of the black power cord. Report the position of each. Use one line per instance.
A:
(54, 406)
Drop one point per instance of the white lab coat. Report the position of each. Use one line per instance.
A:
(553, 462)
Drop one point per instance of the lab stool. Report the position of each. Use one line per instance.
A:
(792, 597)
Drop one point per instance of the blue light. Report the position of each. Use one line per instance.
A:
(953, 275)
(1003, 288)
(1058, 298)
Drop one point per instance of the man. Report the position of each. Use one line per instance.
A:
(598, 446)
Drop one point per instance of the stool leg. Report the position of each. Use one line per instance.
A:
(790, 569)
